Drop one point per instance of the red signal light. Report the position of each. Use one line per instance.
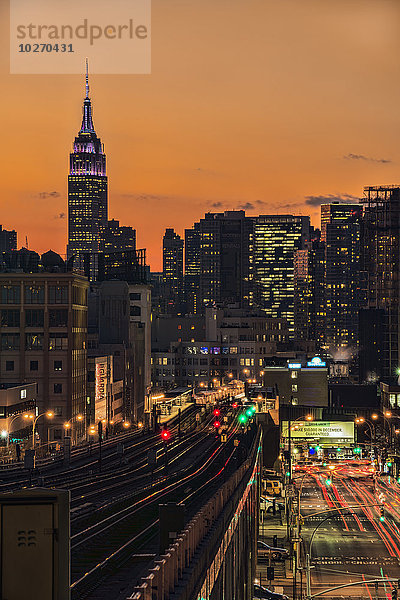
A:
(217, 412)
(234, 405)
(165, 435)
(217, 424)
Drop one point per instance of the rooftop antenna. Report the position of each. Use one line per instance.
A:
(87, 78)
(26, 242)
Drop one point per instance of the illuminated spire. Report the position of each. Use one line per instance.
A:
(87, 121)
(87, 78)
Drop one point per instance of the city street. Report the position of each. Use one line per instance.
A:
(354, 544)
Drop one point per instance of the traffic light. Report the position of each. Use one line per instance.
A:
(382, 514)
(217, 412)
(249, 412)
(394, 594)
(357, 450)
(217, 424)
(165, 434)
(242, 419)
(271, 574)
(329, 480)
(234, 405)
(100, 429)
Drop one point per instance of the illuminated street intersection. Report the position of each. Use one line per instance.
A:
(354, 515)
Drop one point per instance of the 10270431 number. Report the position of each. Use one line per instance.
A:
(45, 48)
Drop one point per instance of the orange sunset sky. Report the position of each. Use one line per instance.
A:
(271, 105)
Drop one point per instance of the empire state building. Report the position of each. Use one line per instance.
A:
(87, 187)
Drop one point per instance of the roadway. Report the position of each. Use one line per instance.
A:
(353, 544)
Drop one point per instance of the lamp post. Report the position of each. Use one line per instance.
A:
(25, 416)
(386, 416)
(372, 429)
(290, 422)
(68, 424)
(49, 414)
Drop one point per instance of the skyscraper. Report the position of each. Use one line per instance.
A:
(173, 270)
(119, 237)
(8, 240)
(219, 253)
(309, 292)
(192, 269)
(276, 238)
(87, 187)
(340, 230)
(380, 257)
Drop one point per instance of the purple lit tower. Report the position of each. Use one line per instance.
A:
(87, 187)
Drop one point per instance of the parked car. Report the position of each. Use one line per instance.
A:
(265, 594)
(264, 552)
(267, 504)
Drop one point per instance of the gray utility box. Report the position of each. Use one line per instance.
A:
(35, 545)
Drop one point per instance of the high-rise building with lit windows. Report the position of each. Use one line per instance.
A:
(340, 230)
(380, 263)
(192, 269)
(87, 188)
(276, 238)
(309, 292)
(219, 254)
(173, 269)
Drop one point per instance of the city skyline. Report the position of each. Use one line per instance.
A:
(275, 125)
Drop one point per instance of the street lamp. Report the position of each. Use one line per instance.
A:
(49, 414)
(6, 434)
(306, 418)
(68, 424)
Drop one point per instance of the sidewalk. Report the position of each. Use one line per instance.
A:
(282, 582)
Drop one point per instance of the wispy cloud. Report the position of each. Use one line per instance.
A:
(43, 195)
(329, 198)
(352, 156)
(251, 205)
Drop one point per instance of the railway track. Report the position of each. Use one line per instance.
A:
(103, 547)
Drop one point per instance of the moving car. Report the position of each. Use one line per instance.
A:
(264, 552)
(267, 504)
(265, 594)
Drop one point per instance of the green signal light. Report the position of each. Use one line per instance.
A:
(249, 412)
(398, 480)
(287, 473)
(242, 419)
(329, 482)
(318, 447)
(253, 409)
(357, 450)
(338, 449)
(382, 519)
(324, 464)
